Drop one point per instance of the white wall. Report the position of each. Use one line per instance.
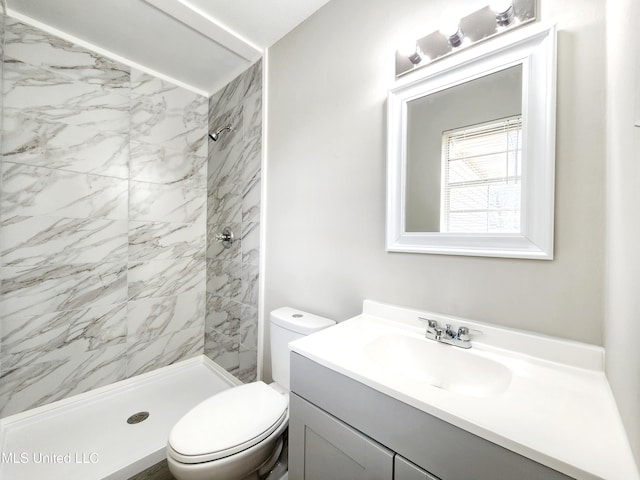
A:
(328, 81)
(622, 312)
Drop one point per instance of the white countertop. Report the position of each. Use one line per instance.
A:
(557, 409)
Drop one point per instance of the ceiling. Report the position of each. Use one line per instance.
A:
(199, 44)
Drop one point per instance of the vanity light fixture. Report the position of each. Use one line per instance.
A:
(505, 13)
(458, 33)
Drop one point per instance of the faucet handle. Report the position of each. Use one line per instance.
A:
(463, 334)
(430, 322)
(438, 331)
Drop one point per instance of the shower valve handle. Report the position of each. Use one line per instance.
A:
(226, 237)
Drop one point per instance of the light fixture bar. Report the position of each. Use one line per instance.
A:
(457, 34)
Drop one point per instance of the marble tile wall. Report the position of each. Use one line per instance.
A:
(102, 220)
(2, 21)
(234, 182)
(167, 224)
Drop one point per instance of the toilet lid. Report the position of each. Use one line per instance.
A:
(227, 423)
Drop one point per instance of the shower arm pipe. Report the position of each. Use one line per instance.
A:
(216, 135)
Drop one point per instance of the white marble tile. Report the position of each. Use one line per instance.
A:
(252, 115)
(183, 202)
(224, 278)
(159, 164)
(39, 241)
(3, 20)
(250, 243)
(224, 205)
(252, 79)
(2, 60)
(42, 94)
(167, 115)
(34, 141)
(248, 364)
(154, 317)
(251, 202)
(239, 164)
(145, 85)
(166, 241)
(249, 327)
(224, 168)
(165, 350)
(32, 191)
(166, 278)
(251, 161)
(55, 377)
(223, 350)
(33, 46)
(223, 315)
(34, 339)
(227, 98)
(244, 85)
(248, 293)
(227, 169)
(38, 290)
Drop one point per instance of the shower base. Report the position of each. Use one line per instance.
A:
(87, 437)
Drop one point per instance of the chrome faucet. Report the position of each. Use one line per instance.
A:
(447, 335)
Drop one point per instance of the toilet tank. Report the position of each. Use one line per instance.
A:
(288, 324)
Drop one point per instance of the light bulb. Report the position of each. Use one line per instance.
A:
(450, 28)
(407, 48)
(500, 6)
(449, 24)
(411, 50)
(504, 10)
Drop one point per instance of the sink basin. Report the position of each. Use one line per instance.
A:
(437, 365)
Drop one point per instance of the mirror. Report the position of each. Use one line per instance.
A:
(462, 193)
(471, 148)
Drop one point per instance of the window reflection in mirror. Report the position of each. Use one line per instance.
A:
(481, 177)
(464, 143)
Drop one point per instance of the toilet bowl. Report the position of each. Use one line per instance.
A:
(238, 434)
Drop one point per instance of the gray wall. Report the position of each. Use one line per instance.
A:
(102, 234)
(326, 180)
(234, 200)
(622, 313)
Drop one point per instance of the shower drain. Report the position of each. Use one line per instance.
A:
(138, 417)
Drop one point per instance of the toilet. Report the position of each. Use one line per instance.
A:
(238, 434)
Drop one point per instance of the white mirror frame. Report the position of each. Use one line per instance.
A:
(535, 49)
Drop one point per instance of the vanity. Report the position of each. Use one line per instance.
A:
(373, 398)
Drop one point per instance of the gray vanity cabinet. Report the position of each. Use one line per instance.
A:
(321, 448)
(342, 429)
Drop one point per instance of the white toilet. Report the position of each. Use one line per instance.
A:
(238, 433)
